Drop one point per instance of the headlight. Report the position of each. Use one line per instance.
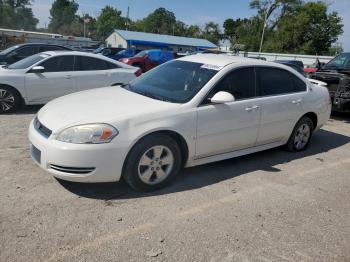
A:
(88, 134)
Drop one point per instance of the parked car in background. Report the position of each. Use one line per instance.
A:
(110, 52)
(19, 52)
(148, 59)
(190, 111)
(258, 57)
(293, 64)
(42, 77)
(126, 53)
(336, 73)
(314, 67)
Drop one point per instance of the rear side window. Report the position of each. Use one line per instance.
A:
(86, 63)
(240, 83)
(275, 81)
(111, 65)
(299, 85)
(59, 64)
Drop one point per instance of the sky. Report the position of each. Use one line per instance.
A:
(189, 11)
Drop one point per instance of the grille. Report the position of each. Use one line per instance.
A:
(72, 170)
(43, 130)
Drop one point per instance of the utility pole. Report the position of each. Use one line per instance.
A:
(84, 24)
(127, 19)
(263, 32)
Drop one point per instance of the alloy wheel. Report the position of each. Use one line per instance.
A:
(302, 136)
(155, 165)
(7, 100)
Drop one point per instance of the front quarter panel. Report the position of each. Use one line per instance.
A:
(182, 122)
(15, 80)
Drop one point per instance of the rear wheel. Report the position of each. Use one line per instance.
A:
(301, 135)
(152, 163)
(10, 100)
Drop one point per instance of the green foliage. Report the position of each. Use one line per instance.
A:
(161, 21)
(109, 19)
(212, 32)
(62, 16)
(17, 15)
(292, 26)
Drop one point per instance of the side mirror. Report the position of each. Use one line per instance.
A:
(222, 97)
(37, 69)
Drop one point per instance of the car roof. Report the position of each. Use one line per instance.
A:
(68, 52)
(222, 60)
(41, 44)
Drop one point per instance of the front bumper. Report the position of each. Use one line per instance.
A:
(89, 163)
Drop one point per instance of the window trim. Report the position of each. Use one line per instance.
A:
(202, 103)
(258, 89)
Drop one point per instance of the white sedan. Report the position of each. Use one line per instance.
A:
(187, 112)
(45, 76)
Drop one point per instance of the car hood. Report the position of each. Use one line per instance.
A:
(102, 105)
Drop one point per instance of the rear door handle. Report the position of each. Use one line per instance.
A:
(297, 102)
(68, 77)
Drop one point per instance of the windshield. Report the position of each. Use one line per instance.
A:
(98, 50)
(27, 62)
(175, 81)
(8, 50)
(141, 54)
(340, 62)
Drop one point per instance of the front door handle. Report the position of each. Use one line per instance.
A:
(249, 109)
(68, 77)
(296, 102)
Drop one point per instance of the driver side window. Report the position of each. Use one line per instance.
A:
(239, 82)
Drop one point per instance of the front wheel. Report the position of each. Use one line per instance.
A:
(9, 100)
(152, 163)
(301, 135)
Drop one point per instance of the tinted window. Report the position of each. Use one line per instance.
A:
(299, 85)
(25, 51)
(86, 63)
(240, 83)
(59, 64)
(111, 65)
(274, 81)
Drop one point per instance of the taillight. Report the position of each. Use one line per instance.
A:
(138, 72)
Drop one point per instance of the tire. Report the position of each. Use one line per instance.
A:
(152, 151)
(301, 135)
(10, 100)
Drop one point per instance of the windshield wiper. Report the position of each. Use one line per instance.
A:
(156, 97)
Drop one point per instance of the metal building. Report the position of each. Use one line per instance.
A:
(140, 40)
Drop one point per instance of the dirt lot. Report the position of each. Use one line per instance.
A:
(270, 206)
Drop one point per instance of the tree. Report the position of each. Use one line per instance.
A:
(161, 21)
(17, 15)
(194, 31)
(109, 19)
(212, 32)
(62, 16)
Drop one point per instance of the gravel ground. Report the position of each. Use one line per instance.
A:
(269, 206)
